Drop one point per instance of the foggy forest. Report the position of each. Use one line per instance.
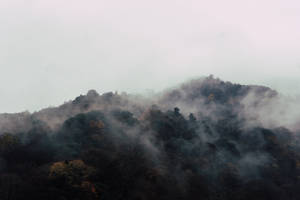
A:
(203, 139)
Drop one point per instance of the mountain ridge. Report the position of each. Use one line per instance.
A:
(203, 87)
(206, 139)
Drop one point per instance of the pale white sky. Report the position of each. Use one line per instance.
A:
(54, 50)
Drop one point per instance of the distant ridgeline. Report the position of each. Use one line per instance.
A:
(205, 139)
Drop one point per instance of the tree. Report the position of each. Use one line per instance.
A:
(72, 172)
(8, 143)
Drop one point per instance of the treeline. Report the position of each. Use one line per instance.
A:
(105, 151)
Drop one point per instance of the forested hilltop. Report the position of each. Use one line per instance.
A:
(204, 139)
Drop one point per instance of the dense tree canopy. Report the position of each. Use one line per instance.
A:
(113, 147)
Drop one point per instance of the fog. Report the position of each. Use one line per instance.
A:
(52, 51)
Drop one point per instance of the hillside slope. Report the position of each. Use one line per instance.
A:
(205, 139)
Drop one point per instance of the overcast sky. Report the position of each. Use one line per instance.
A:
(54, 50)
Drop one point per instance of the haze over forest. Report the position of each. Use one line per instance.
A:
(144, 100)
(204, 139)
